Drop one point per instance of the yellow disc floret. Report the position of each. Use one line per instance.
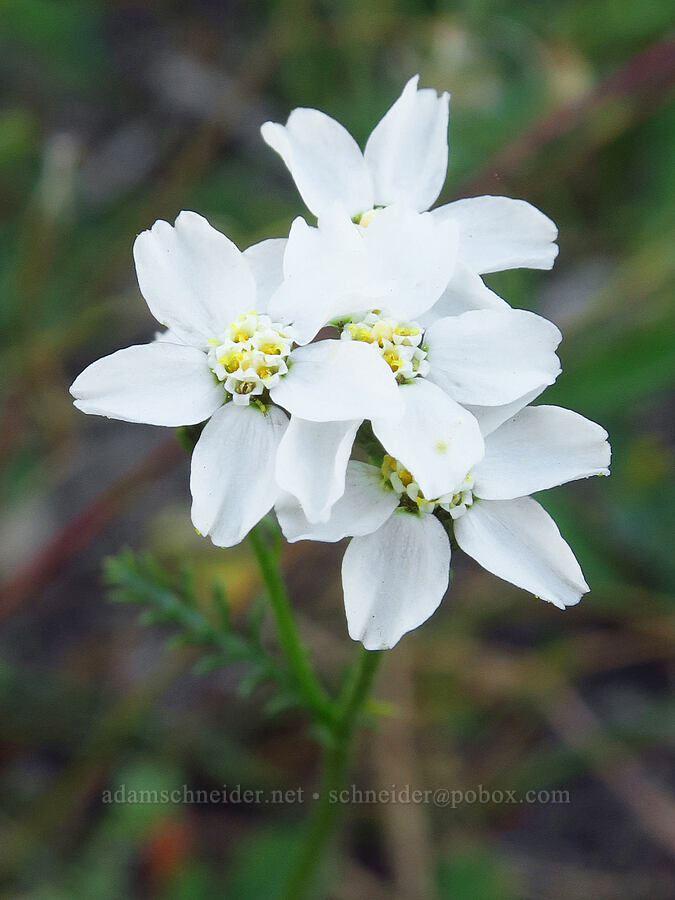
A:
(250, 356)
(403, 482)
(364, 219)
(398, 342)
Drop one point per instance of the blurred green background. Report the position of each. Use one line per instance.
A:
(115, 114)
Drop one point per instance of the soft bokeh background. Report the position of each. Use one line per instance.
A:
(115, 114)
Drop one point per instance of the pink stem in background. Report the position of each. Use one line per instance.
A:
(81, 530)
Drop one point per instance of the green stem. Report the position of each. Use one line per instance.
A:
(313, 695)
(339, 717)
(335, 769)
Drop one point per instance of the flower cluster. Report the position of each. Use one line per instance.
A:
(411, 424)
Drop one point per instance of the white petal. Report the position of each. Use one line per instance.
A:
(401, 263)
(518, 541)
(365, 505)
(232, 474)
(435, 439)
(312, 461)
(491, 357)
(491, 417)
(498, 233)
(193, 278)
(266, 261)
(539, 448)
(332, 381)
(324, 160)
(465, 291)
(395, 578)
(157, 383)
(326, 275)
(414, 257)
(408, 150)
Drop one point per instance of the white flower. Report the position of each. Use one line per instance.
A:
(396, 568)
(405, 163)
(224, 358)
(381, 282)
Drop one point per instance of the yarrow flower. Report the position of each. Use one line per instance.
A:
(404, 163)
(381, 285)
(396, 567)
(372, 220)
(224, 359)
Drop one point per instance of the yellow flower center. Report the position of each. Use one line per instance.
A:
(398, 342)
(249, 357)
(403, 482)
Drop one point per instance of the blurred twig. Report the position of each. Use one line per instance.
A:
(484, 668)
(394, 757)
(621, 772)
(646, 80)
(86, 525)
